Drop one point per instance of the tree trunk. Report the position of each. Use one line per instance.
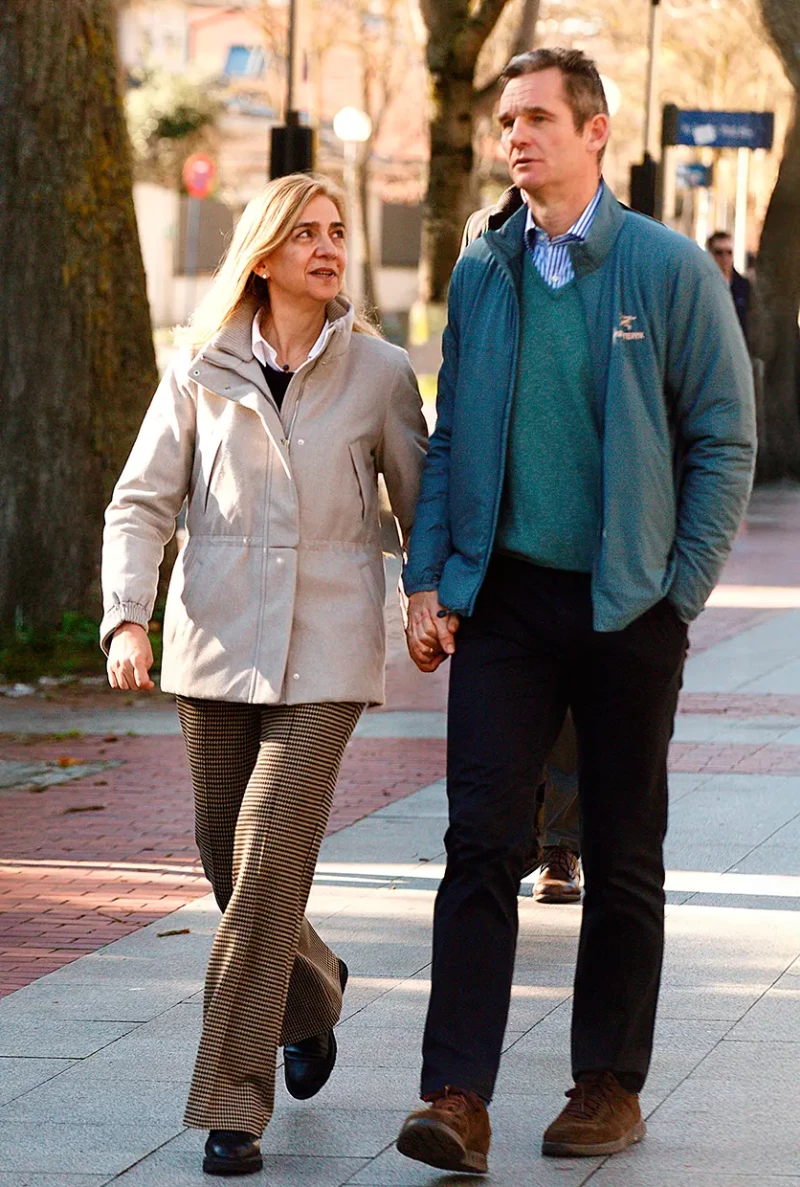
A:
(457, 31)
(77, 365)
(369, 293)
(450, 197)
(779, 301)
(779, 275)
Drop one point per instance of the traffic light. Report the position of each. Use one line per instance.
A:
(291, 148)
(643, 186)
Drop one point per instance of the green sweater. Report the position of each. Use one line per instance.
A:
(551, 507)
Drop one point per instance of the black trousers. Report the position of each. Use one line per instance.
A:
(527, 653)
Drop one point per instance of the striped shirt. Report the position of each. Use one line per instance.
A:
(551, 256)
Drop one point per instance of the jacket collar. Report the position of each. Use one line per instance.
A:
(507, 243)
(232, 345)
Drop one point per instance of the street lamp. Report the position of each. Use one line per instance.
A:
(353, 127)
(291, 145)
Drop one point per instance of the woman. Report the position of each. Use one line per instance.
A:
(274, 423)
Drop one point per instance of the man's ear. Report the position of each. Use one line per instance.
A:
(599, 130)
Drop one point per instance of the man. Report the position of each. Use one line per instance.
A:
(590, 466)
(720, 246)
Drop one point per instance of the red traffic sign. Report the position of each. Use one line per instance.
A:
(198, 174)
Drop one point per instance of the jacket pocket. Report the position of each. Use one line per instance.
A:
(355, 458)
(208, 462)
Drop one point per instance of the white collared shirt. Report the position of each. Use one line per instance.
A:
(266, 354)
(551, 257)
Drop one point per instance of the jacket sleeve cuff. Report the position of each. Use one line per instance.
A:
(116, 615)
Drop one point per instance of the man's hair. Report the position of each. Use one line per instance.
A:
(715, 238)
(582, 84)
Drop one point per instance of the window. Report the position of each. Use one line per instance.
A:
(244, 61)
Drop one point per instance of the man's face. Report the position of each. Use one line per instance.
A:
(722, 251)
(538, 135)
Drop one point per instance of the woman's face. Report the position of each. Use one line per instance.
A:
(312, 261)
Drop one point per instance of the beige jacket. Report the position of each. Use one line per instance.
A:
(277, 597)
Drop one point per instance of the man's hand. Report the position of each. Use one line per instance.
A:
(130, 657)
(430, 639)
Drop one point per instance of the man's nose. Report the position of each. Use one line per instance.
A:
(517, 135)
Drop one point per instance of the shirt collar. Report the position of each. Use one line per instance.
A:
(576, 233)
(266, 354)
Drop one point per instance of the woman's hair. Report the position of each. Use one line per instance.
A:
(266, 222)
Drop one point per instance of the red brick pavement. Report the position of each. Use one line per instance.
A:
(739, 704)
(88, 861)
(734, 758)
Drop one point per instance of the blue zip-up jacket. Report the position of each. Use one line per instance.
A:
(675, 398)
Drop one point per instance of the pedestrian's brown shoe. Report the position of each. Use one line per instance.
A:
(601, 1118)
(559, 878)
(452, 1134)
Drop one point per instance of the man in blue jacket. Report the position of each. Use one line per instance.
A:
(590, 466)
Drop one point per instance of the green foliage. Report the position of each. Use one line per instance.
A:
(69, 649)
(170, 116)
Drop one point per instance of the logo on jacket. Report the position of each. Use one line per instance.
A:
(625, 330)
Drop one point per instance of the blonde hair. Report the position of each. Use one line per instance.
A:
(266, 222)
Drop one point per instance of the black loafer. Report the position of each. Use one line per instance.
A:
(231, 1152)
(307, 1065)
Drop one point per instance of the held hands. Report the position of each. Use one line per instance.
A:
(430, 639)
(130, 657)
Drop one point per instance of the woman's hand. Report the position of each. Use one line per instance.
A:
(130, 657)
(430, 639)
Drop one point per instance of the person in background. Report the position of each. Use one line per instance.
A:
(720, 247)
(274, 421)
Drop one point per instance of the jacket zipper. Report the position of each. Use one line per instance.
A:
(506, 419)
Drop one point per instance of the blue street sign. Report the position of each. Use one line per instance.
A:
(692, 175)
(724, 129)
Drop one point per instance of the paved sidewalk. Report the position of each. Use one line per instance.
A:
(95, 1057)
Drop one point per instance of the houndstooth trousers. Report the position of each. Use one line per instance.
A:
(263, 779)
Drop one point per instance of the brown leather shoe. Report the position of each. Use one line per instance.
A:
(601, 1118)
(453, 1134)
(559, 879)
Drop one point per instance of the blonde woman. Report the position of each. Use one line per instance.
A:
(274, 423)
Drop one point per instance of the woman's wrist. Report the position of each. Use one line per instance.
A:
(124, 626)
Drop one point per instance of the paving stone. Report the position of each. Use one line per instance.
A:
(67, 1001)
(172, 1168)
(20, 1075)
(49, 1179)
(621, 1174)
(76, 1149)
(32, 1036)
(308, 1128)
(86, 1100)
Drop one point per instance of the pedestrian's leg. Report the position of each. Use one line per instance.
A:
(222, 740)
(561, 827)
(507, 701)
(281, 823)
(624, 706)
